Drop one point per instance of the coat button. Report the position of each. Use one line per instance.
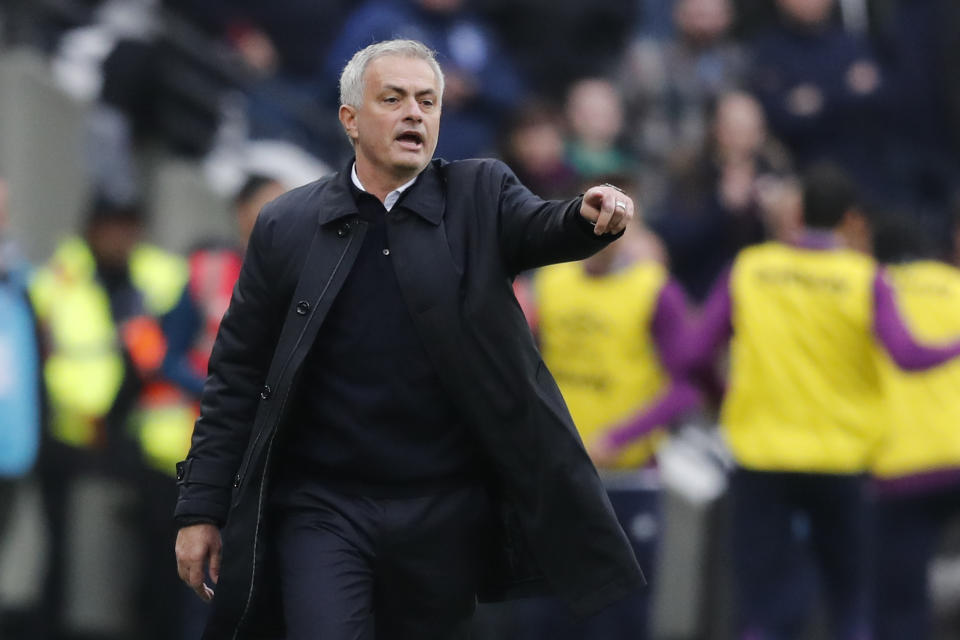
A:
(343, 231)
(386, 252)
(266, 392)
(303, 307)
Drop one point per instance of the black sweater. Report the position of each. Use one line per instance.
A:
(371, 412)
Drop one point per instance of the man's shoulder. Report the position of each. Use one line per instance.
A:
(474, 168)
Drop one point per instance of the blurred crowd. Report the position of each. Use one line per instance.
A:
(720, 118)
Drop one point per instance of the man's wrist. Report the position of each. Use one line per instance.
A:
(188, 521)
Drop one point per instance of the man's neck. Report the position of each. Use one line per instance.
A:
(377, 183)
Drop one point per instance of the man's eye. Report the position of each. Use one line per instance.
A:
(427, 103)
(391, 99)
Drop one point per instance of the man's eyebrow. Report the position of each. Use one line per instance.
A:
(402, 91)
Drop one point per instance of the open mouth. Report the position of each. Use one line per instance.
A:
(410, 140)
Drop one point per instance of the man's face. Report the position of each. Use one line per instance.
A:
(112, 241)
(395, 129)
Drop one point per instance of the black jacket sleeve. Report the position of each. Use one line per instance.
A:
(535, 232)
(238, 367)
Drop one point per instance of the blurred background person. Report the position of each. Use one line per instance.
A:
(823, 90)
(533, 146)
(916, 467)
(283, 46)
(713, 208)
(916, 42)
(98, 300)
(594, 146)
(180, 76)
(21, 385)
(546, 39)
(670, 88)
(802, 412)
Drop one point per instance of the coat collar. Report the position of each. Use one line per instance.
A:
(424, 198)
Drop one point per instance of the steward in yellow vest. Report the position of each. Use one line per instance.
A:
(916, 466)
(99, 300)
(802, 412)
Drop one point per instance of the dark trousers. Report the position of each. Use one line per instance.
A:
(363, 568)
(906, 533)
(638, 512)
(792, 530)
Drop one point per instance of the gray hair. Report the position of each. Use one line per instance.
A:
(351, 80)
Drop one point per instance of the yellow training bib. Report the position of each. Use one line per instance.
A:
(595, 338)
(804, 391)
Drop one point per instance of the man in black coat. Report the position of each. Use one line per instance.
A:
(380, 442)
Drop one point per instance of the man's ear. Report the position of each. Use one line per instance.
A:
(348, 118)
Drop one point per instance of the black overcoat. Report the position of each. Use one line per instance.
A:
(457, 238)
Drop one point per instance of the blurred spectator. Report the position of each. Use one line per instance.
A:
(482, 85)
(533, 147)
(289, 36)
(611, 329)
(671, 86)
(21, 387)
(177, 76)
(917, 465)
(594, 111)
(917, 40)
(98, 301)
(802, 413)
(823, 91)
(145, 91)
(285, 43)
(555, 41)
(714, 207)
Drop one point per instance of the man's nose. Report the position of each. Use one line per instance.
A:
(413, 110)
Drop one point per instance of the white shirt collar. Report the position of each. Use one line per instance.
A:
(391, 198)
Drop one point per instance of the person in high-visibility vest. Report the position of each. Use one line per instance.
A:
(916, 468)
(98, 301)
(803, 410)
